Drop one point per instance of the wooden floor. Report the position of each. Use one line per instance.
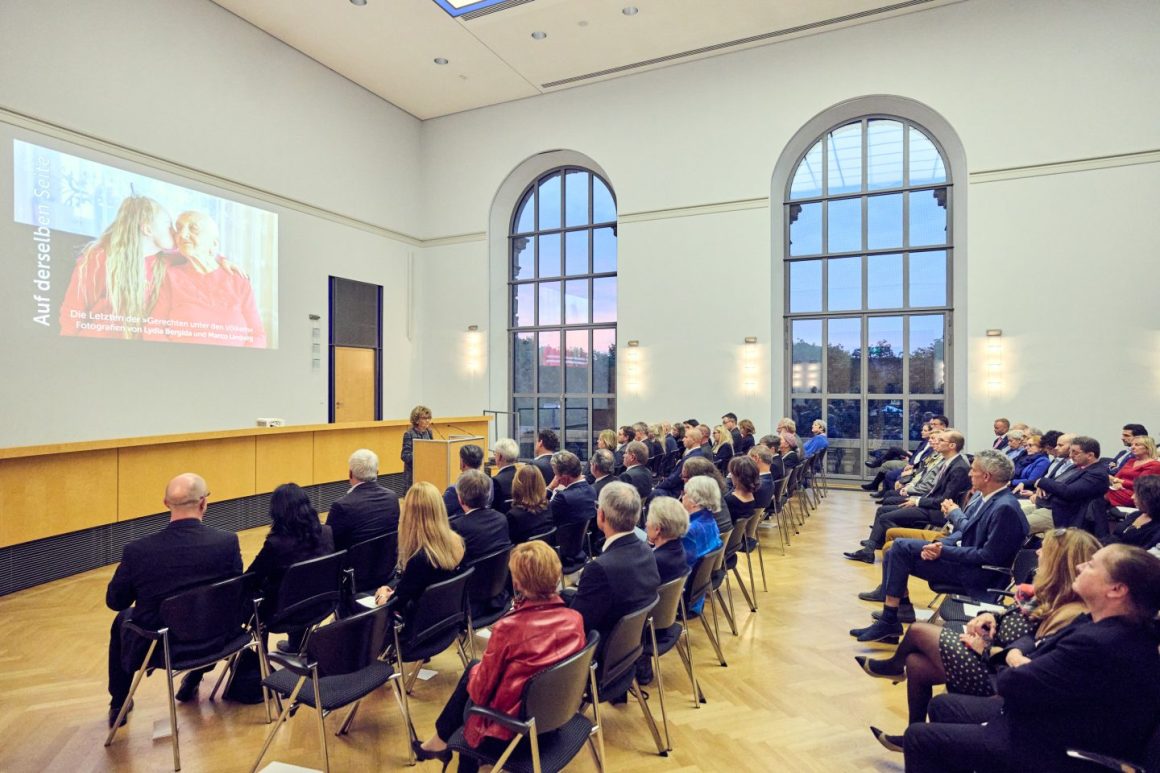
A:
(791, 697)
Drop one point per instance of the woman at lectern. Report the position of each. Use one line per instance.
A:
(420, 428)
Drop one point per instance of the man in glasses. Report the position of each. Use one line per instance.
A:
(183, 555)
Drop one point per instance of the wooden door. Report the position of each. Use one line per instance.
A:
(354, 384)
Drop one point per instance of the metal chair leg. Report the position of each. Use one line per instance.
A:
(634, 688)
(278, 724)
(596, 715)
(346, 723)
(405, 708)
(712, 638)
(137, 677)
(744, 591)
(321, 724)
(175, 741)
(660, 685)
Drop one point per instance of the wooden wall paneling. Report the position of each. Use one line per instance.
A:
(283, 459)
(42, 496)
(332, 449)
(227, 466)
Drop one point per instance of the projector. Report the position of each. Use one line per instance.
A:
(271, 422)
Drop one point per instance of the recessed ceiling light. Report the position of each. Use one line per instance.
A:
(440, 60)
(538, 35)
(358, 2)
(630, 10)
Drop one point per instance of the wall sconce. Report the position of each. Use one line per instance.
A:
(473, 350)
(749, 365)
(633, 368)
(994, 360)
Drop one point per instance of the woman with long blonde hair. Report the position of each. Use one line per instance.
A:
(120, 273)
(429, 551)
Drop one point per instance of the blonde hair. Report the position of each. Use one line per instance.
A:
(726, 437)
(528, 489)
(535, 569)
(423, 526)
(1149, 444)
(608, 437)
(129, 291)
(1062, 554)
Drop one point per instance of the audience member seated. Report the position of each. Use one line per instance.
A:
(470, 458)
(921, 480)
(671, 486)
(624, 436)
(538, 632)
(429, 550)
(729, 422)
(295, 535)
(1033, 463)
(636, 473)
(722, 445)
(506, 451)
(367, 509)
(183, 555)
(675, 438)
(992, 531)
(701, 500)
(624, 577)
(1015, 449)
(547, 443)
(484, 530)
(656, 441)
(1002, 427)
(601, 466)
(787, 447)
(742, 500)
(1039, 516)
(894, 471)
(529, 514)
(666, 524)
(573, 499)
(1142, 529)
(1142, 462)
(748, 436)
(931, 655)
(766, 489)
(607, 441)
(951, 482)
(819, 442)
(704, 468)
(1095, 685)
(1127, 434)
(1070, 493)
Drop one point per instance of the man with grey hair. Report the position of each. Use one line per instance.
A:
(573, 499)
(672, 485)
(484, 532)
(989, 533)
(636, 474)
(366, 509)
(763, 458)
(624, 577)
(601, 465)
(506, 451)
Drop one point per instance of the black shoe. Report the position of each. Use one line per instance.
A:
(422, 755)
(878, 594)
(115, 710)
(285, 648)
(877, 496)
(875, 668)
(869, 486)
(891, 742)
(879, 631)
(188, 690)
(867, 543)
(865, 555)
(905, 613)
(619, 700)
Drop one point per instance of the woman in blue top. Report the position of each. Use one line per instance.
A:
(1033, 464)
(701, 498)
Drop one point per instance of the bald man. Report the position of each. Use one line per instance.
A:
(185, 554)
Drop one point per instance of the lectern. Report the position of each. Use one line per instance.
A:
(437, 461)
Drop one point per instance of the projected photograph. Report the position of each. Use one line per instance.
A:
(118, 255)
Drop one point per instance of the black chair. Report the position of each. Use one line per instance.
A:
(747, 544)
(548, 536)
(699, 588)
(1150, 763)
(952, 610)
(570, 545)
(440, 614)
(776, 510)
(616, 669)
(732, 539)
(667, 615)
(550, 718)
(199, 627)
(341, 666)
(370, 564)
(491, 580)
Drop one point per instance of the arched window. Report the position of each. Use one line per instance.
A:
(869, 248)
(562, 281)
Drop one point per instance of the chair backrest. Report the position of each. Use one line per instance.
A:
(1024, 566)
(548, 536)
(623, 646)
(668, 605)
(208, 613)
(373, 561)
(733, 539)
(441, 607)
(752, 524)
(350, 644)
(778, 499)
(553, 696)
(490, 577)
(570, 538)
(309, 593)
(700, 581)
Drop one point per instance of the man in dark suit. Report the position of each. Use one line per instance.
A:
(1127, 435)
(673, 485)
(624, 577)
(507, 451)
(573, 499)
(367, 509)
(729, 421)
(547, 443)
(1094, 686)
(601, 465)
(470, 458)
(637, 474)
(1002, 427)
(952, 482)
(484, 531)
(763, 458)
(184, 555)
(1069, 494)
(990, 533)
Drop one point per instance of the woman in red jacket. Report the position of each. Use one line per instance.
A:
(1142, 462)
(539, 632)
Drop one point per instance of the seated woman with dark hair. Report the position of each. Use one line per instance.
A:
(930, 654)
(1143, 529)
(529, 513)
(538, 632)
(742, 500)
(1142, 461)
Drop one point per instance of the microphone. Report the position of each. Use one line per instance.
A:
(461, 429)
(437, 432)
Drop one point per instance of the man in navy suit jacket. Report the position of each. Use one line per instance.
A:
(484, 531)
(1069, 494)
(367, 509)
(673, 485)
(637, 474)
(547, 444)
(470, 458)
(990, 534)
(507, 451)
(1093, 686)
(1002, 427)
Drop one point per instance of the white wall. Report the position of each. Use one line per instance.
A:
(1023, 84)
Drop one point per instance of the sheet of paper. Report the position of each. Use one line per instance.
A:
(367, 601)
(976, 609)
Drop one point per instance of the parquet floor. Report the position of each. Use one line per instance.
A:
(790, 699)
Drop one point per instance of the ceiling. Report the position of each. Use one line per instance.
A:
(390, 46)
